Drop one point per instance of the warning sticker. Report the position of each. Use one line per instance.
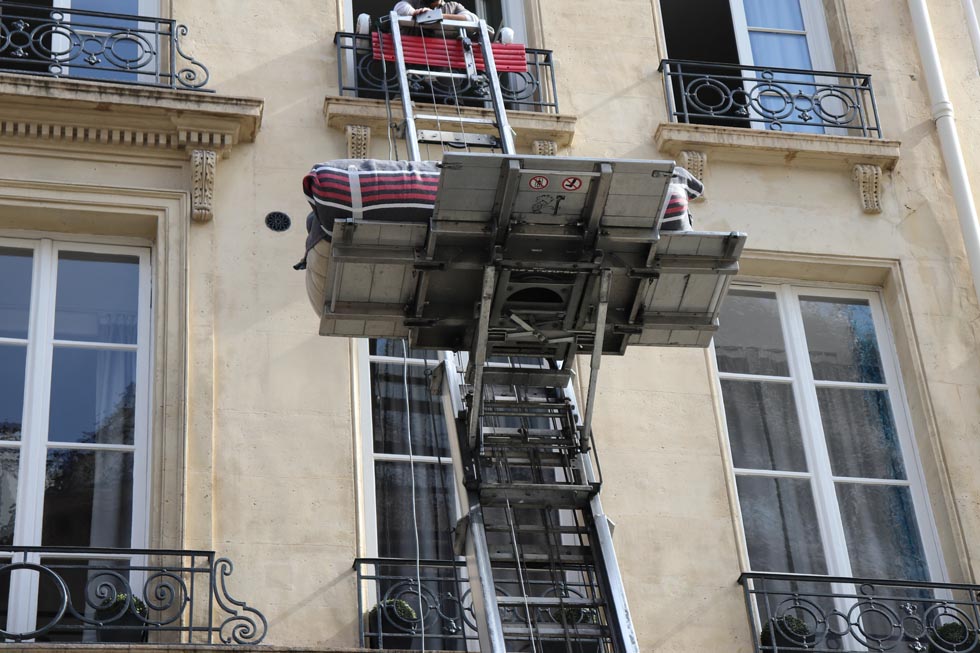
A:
(538, 183)
(571, 183)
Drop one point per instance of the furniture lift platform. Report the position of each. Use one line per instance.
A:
(548, 227)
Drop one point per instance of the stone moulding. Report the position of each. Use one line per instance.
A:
(60, 113)
(865, 159)
(358, 141)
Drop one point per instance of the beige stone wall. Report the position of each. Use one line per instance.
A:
(267, 473)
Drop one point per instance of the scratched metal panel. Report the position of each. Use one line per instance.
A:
(388, 284)
(355, 282)
(667, 293)
(700, 293)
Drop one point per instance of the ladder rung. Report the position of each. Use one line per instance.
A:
(547, 601)
(478, 140)
(556, 631)
(526, 377)
(436, 73)
(537, 494)
(455, 119)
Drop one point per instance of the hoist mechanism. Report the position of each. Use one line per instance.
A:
(527, 264)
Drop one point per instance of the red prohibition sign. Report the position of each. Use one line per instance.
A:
(538, 183)
(571, 183)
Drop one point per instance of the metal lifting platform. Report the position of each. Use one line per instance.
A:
(525, 263)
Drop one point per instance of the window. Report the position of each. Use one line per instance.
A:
(74, 347)
(826, 471)
(497, 13)
(770, 33)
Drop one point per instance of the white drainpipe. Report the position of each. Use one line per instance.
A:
(942, 113)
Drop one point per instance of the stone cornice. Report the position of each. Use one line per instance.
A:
(771, 147)
(341, 112)
(77, 112)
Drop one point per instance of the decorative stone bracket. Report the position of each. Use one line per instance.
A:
(203, 168)
(694, 162)
(358, 141)
(868, 179)
(544, 148)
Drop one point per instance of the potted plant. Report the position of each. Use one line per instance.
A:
(395, 620)
(953, 636)
(570, 617)
(123, 619)
(787, 633)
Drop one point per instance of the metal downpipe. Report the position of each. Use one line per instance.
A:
(942, 113)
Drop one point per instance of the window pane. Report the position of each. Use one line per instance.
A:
(97, 298)
(9, 473)
(88, 498)
(93, 396)
(782, 51)
(841, 337)
(13, 362)
(750, 340)
(763, 426)
(4, 594)
(881, 531)
(780, 523)
(433, 517)
(779, 14)
(16, 266)
(860, 433)
(428, 427)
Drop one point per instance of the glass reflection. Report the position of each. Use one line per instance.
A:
(861, 434)
(750, 340)
(434, 513)
(881, 532)
(428, 426)
(84, 579)
(781, 528)
(88, 498)
(97, 298)
(16, 269)
(13, 362)
(9, 473)
(763, 427)
(840, 335)
(93, 396)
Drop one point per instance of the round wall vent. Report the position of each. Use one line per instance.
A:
(277, 221)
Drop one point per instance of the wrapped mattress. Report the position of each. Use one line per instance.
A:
(364, 189)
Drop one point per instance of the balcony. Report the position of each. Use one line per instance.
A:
(790, 612)
(777, 99)
(360, 75)
(91, 45)
(93, 595)
(404, 605)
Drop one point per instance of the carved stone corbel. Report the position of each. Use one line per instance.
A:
(868, 178)
(203, 166)
(544, 148)
(695, 162)
(358, 141)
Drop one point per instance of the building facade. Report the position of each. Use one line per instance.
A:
(165, 390)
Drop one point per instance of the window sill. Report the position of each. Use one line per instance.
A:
(532, 128)
(777, 148)
(59, 111)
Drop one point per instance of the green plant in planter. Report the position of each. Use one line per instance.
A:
(397, 621)
(570, 617)
(128, 626)
(953, 636)
(787, 632)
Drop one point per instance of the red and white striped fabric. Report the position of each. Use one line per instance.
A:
(683, 188)
(448, 53)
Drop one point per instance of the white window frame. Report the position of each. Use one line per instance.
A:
(513, 12)
(815, 446)
(34, 445)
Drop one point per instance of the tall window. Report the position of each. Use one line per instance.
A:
(827, 475)
(74, 350)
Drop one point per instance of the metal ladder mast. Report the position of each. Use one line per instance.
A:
(541, 565)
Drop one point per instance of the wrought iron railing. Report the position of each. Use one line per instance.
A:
(360, 74)
(103, 595)
(427, 605)
(118, 48)
(781, 99)
(790, 612)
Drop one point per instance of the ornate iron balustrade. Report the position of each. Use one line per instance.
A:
(359, 74)
(402, 603)
(790, 612)
(781, 99)
(118, 48)
(122, 595)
